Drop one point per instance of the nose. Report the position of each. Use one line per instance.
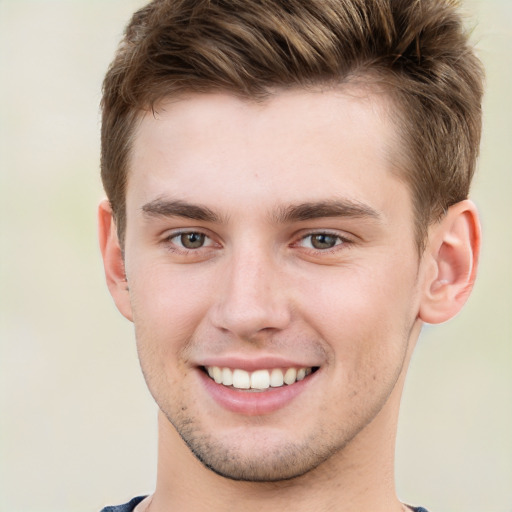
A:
(252, 298)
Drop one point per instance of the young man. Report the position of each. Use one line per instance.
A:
(287, 204)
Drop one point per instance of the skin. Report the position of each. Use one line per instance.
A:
(258, 287)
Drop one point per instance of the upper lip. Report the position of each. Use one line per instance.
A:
(256, 363)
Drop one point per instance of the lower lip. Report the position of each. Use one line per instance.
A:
(254, 403)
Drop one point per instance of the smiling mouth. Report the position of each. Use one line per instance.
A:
(259, 380)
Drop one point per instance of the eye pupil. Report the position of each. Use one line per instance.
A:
(192, 240)
(323, 241)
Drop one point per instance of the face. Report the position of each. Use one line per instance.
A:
(272, 273)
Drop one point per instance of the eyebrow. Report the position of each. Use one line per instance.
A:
(177, 208)
(321, 209)
(293, 213)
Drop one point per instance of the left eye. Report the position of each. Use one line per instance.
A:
(321, 241)
(191, 240)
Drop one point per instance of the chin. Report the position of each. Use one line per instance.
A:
(252, 456)
(288, 464)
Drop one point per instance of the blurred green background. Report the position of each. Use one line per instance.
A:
(77, 426)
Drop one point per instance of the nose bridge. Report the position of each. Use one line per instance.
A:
(252, 296)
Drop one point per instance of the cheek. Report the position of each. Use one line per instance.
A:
(358, 295)
(364, 315)
(167, 311)
(167, 307)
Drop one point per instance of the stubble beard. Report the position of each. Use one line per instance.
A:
(289, 461)
(264, 462)
(267, 460)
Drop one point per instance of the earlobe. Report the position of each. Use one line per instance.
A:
(113, 259)
(452, 257)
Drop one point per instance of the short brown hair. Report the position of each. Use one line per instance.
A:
(417, 48)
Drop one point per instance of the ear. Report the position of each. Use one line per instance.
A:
(113, 259)
(451, 257)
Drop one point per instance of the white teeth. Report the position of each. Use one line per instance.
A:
(259, 379)
(227, 377)
(290, 376)
(217, 374)
(241, 379)
(276, 378)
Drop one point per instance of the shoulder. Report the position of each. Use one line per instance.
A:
(127, 507)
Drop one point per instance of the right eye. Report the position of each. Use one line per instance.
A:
(322, 241)
(190, 240)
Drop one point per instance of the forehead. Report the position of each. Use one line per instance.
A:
(295, 146)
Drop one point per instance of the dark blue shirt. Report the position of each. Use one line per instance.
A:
(128, 507)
